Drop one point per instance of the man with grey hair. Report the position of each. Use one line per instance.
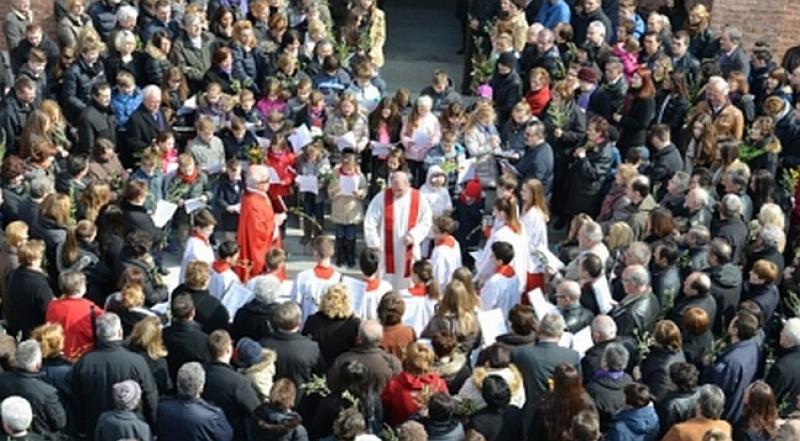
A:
(299, 357)
(380, 365)
(768, 239)
(731, 225)
(708, 413)
(538, 362)
(576, 317)
(732, 56)
(17, 416)
(698, 207)
(255, 318)
(728, 119)
(696, 293)
(74, 313)
(94, 375)
(784, 375)
(607, 384)
(258, 230)
(49, 417)
(590, 240)
(604, 333)
(122, 422)
(638, 311)
(192, 51)
(144, 125)
(189, 417)
(584, 17)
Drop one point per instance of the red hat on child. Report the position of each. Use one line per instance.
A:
(473, 189)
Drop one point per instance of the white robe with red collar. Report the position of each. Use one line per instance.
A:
(368, 309)
(396, 265)
(197, 249)
(502, 291)
(485, 267)
(309, 288)
(419, 310)
(446, 259)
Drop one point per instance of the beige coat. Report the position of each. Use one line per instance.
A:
(347, 210)
(377, 37)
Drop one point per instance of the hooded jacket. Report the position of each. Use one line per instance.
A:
(726, 288)
(438, 197)
(635, 425)
(274, 424)
(400, 395)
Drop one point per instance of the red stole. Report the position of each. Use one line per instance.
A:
(418, 290)
(505, 271)
(323, 272)
(388, 229)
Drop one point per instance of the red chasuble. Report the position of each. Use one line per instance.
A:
(255, 233)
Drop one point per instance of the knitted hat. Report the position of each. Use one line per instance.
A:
(507, 59)
(473, 189)
(248, 352)
(587, 74)
(485, 91)
(126, 394)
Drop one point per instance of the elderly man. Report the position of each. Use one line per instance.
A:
(547, 56)
(144, 125)
(731, 227)
(784, 377)
(768, 241)
(638, 311)
(568, 296)
(732, 56)
(49, 417)
(397, 221)
(604, 333)
(590, 240)
(192, 51)
(258, 230)
(189, 417)
(582, 19)
(380, 365)
(254, 319)
(17, 417)
(708, 415)
(697, 293)
(96, 372)
(728, 119)
(607, 384)
(538, 362)
(698, 206)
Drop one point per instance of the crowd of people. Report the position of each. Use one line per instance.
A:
(663, 156)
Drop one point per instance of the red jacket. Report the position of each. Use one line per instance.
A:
(75, 316)
(403, 393)
(283, 163)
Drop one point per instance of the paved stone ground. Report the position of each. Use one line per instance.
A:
(422, 35)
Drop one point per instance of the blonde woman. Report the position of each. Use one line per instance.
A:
(419, 134)
(243, 43)
(615, 204)
(346, 127)
(334, 327)
(16, 236)
(482, 141)
(456, 314)
(55, 367)
(146, 339)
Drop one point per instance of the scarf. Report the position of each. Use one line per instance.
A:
(190, 179)
(505, 270)
(220, 266)
(538, 100)
(418, 290)
(203, 239)
(611, 375)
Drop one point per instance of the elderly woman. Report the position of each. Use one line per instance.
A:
(126, 57)
(334, 327)
(209, 312)
(254, 319)
(405, 393)
(667, 349)
(193, 59)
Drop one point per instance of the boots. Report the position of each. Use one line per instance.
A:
(339, 251)
(308, 229)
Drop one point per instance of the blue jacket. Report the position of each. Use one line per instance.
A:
(155, 185)
(551, 14)
(634, 425)
(537, 162)
(733, 371)
(192, 419)
(104, 17)
(125, 105)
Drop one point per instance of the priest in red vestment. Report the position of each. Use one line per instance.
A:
(258, 225)
(398, 220)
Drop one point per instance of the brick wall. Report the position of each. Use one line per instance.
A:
(43, 12)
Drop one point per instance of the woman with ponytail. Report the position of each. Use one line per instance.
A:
(421, 297)
(456, 314)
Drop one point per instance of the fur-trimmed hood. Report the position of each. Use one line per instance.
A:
(511, 374)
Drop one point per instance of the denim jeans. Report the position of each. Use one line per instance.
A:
(314, 208)
(348, 232)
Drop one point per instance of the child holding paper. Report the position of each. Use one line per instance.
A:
(282, 159)
(420, 132)
(421, 298)
(188, 184)
(198, 247)
(450, 156)
(311, 284)
(347, 190)
(346, 127)
(228, 199)
(312, 167)
(501, 289)
(206, 148)
(384, 124)
(446, 255)
(149, 172)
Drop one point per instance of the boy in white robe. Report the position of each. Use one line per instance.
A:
(311, 284)
(275, 264)
(446, 256)
(225, 284)
(198, 247)
(501, 289)
(372, 286)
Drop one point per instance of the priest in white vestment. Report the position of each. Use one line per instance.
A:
(398, 220)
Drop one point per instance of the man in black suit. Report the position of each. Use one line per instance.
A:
(184, 338)
(144, 125)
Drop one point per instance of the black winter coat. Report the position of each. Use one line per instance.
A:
(586, 177)
(185, 341)
(227, 193)
(706, 303)
(49, 417)
(695, 348)
(96, 122)
(94, 375)
(209, 312)
(29, 294)
(137, 218)
(192, 419)
(676, 407)
(13, 116)
(506, 93)
(160, 371)
(121, 424)
(577, 317)
(574, 131)
(497, 425)
(726, 287)
(665, 163)
(115, 65)
(581, 21)
(154, 291)
(253, 320)
(590, 362)
(298, 356)
(233, 393)
(784, 378)
(655, 370)
(334, 336)
(76, 87)
(672, 110)
(142, 131)
(274, 424)
(609, 396)
(635, 122)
